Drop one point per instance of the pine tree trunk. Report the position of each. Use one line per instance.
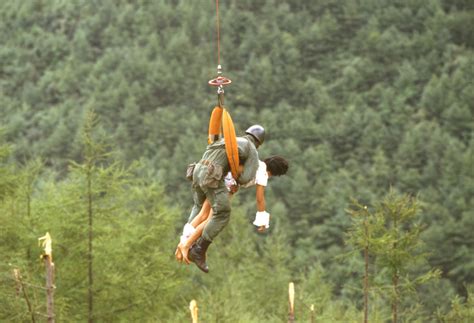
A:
(89, 188)
(395, 277)
(395, 298)
(366, 271)
(17, 275)
(366, 285)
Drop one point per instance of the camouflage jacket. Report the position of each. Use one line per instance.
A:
(215, 159)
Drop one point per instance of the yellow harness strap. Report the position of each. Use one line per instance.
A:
(221, 117)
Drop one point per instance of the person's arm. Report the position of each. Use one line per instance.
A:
(260, 197)
(262, 217)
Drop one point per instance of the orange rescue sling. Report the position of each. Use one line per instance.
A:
(221, 123)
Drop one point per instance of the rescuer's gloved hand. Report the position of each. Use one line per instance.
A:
(262, 219)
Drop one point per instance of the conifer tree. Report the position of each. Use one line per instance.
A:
(461, 310)
(366, 228)
(113, 233)
(399, 248)
(94, 155)
(391, 234)
(7, 179)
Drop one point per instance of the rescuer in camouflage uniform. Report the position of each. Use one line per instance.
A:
(208, 182)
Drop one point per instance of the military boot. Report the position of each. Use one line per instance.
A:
(197, 254)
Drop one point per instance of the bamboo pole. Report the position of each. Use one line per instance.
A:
(194, 311)
(47, 256)
(291, 295)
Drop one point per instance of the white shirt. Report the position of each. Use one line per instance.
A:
(261, 177)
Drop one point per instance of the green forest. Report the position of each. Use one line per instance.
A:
(103, 104)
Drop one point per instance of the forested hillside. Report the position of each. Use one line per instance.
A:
(366, 99)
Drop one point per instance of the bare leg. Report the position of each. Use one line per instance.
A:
(184, 248)
(198, 222)
(203, 214)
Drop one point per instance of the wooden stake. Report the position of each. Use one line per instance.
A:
(47, 256)
(49, 288)
(312, 313)
(291, 294)
(194, 311)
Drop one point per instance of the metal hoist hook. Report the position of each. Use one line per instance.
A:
(220, 81)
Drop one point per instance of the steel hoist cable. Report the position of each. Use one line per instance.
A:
(220, 121)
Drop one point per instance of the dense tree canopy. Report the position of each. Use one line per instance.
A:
(361, 97)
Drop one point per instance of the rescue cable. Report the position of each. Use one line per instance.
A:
(220, 121)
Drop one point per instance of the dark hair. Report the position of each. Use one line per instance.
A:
(276, 165)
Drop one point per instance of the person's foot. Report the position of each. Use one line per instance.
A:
(178, 255)
(184, 250)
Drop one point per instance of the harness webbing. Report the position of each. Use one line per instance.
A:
(215, 124)
(231, 148)
(221, 123)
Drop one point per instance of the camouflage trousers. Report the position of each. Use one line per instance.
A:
(218, 197)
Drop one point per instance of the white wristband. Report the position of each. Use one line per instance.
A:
(262, 219)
